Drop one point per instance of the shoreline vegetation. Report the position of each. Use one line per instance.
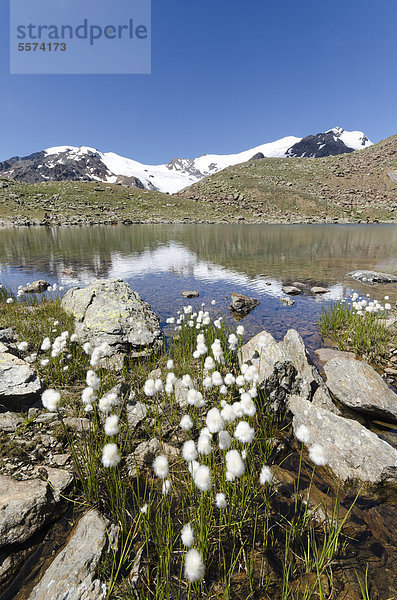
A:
(210, 492)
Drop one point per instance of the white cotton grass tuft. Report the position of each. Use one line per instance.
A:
(112, 425)
(51, 399)
(318, 455)
(265, 476)
(240, 330)
(44, 362)
(220, 500)
(186, 423)
(93, 380)
(22, 346)
(149, 388)
(235, 466)
(204, 445)
(244, 433)
(227, 413)
(110, 456)
(194, 566)
(214, 421)
(170, 364)
(303, 434)
(202, 478)
(160, 466)
(46, 344)
(189, 451)
(187, 535)
(225, 440)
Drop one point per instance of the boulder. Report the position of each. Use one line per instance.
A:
(37, 287)
(9, 421)
(136, 413)
(19, 385)
(373, 277)
(358, 386)
(71, 575)
(354, 452)
(189, 294)
(319, 290)
(291, 290)
(325, 354)
(25, 506)
(242, 304)
(108, 310)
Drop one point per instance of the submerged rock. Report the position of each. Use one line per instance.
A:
(108, 310)
(189, 294)
(242, 304)
(72, 574)
(358, 386)
(19, 385)
(354, 452)
(287, 301)
(373, 277)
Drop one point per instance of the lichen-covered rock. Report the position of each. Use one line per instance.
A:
(358, 386)
(19, 385)
(354, 452)
(108, 310)
(71, 574)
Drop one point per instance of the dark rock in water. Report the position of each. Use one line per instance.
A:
(189, 294)
(291, 290)
(242, 304)
(108, 310)
(373, 277)
(37, 287)
(257, 156)
(358, 386)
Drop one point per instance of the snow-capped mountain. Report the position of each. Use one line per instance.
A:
(88, 164)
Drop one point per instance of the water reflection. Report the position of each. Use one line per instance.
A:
(160, 260)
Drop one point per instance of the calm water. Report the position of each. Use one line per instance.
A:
(161, 260)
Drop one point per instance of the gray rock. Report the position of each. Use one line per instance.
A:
(9, 421)
(373, 277)
(37, 287)
(322, 399)
(291, 290)
(136, 413)
(354, 452)
(319, 290)
(358, 386)
(146, 452)
(242, 304)
(19, 385)
(189, 294)
(325, 354)
(71, 575)
(263, 351)
(109, 311)
(77, 424)
(24, 508)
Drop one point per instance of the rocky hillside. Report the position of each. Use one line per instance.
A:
(355, 186)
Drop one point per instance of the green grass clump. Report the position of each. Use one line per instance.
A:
(366, 335)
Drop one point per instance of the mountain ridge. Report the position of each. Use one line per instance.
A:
(71, 163)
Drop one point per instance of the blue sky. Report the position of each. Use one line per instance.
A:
(226, 76)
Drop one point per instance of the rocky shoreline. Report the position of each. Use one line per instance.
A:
(36, 477)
